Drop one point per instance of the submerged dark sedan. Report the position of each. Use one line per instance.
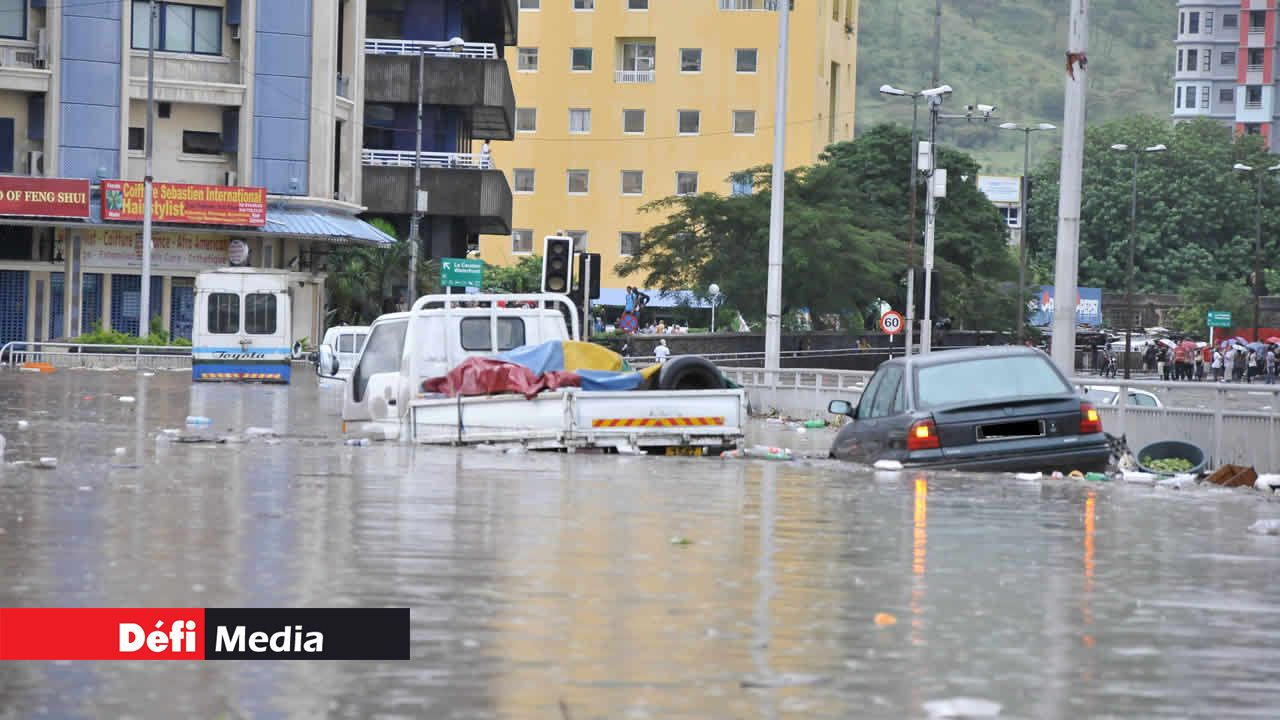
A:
(996, 409)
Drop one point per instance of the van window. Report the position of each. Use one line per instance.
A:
(224, 313)
(260, 314)
(382, 355)
(346, 343)
(475, 333)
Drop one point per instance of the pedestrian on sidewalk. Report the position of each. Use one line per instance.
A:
(1217, 365)
(1162, 366)
(662, 352)
(1271, 366)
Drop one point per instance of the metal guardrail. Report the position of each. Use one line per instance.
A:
(431, 48)
(405, 158)
(748, 4)
(635, 76)
(64, 354)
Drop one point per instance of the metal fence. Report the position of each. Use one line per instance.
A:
(86, 355)
(470, 50)
(405, 158)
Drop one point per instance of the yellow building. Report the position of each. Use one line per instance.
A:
(622, 102)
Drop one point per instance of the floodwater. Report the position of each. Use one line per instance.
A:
(548, 585)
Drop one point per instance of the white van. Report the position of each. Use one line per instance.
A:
(346, 341)
(243, 329)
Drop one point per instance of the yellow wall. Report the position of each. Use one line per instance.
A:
(817, 41)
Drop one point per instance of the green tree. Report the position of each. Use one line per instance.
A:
(1196, 216)
(845, 237)
(361, 278)
(1202, 297)
(523, 277)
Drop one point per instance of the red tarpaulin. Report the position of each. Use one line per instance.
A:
(485, 376)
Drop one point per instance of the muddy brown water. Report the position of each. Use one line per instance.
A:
(548, 585)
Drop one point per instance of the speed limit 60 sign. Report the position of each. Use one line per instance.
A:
(891, 322)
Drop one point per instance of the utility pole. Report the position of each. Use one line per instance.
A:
(1067, 261)
(930, 223)
(911, 227)
(1128, 284)
(937, 42)
(773, 304)
(417, 189)
(1257, 262)
(1022, 238)
(144, 300)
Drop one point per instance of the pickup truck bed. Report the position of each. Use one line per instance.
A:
(572, 419)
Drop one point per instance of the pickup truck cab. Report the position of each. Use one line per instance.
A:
(384, 395)
(346, 342)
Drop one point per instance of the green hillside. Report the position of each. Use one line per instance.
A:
(1010, 53)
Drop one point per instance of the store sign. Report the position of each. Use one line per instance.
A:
(185, 204)
(169, 251)
(238, 252)
(44, 197)
(1001, 188)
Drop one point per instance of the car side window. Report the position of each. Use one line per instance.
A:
(1141, 400)
(882, 403)
(869, 394)
(346, 343)
(381, 355)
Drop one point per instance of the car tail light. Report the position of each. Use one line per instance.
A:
(1089, 420)
(923, 435)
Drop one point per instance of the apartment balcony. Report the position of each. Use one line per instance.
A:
(635, 76)
(470, 76)
(465, 185)
(25, 69)
(180, 78)
(749, 4)
(1257, 37)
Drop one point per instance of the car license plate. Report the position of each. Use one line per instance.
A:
(689, 451)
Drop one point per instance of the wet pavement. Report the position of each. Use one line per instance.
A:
(548, 585)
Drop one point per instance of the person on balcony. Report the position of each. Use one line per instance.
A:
(485, 158)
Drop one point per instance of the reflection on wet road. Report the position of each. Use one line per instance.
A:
(810, 589)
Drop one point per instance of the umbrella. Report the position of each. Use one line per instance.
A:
(1202, 345)
(1157, 330)
(1167, 342)
(1274, 340)
(1187, 345)
(1240, 339)
(1256, 346)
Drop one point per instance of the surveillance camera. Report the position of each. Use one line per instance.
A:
(986, 109)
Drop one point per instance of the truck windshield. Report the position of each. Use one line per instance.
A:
(381, 355)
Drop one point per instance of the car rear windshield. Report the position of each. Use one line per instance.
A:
(987, 379)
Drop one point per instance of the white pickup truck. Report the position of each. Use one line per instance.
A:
(384, 398)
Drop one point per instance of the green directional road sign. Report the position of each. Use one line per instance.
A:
(461, 272)
(1219, 319)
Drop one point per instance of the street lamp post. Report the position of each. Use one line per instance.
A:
(714, 293)
(1133, 234)
(1257, 247)
(1023, 192)
(912, 180)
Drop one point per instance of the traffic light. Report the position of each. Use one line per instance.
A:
(589, 276)
(557, 270)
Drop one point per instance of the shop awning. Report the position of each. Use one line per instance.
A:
(657, 299)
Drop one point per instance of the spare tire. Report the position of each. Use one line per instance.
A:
(690, 372)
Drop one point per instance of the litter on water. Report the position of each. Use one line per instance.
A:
(1029, 476)
(1265, 527)
(962, 707)
(127, 399)
(887, 465)
(47, 463)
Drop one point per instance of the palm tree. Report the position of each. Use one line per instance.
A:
(361, 277)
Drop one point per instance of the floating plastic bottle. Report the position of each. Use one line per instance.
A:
(769, 453)
(198, 421)
(358, 442)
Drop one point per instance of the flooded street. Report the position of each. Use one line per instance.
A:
(549, 585)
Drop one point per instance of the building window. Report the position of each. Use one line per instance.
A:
(522, 180)
(686, 183)
(527, 59)
(581, 60)
(579, 239)
(690, 121)
(1177, 100)
(1179, 61)
(1228, 58)
(579, 120)
(691, 60)
(224, 313)
(638, 62)
(1010, 216)
(1256, 59)
(633, 122)
(522, 241)
(584, 4)
(1253, 96)
(137, 138)
(1193, 59)
(1208, 59)
(1193, 23)
(747, 60)
(1182, 23)
(182, 28)
(1208, 22)
(1253, 129)
(744, 122)
(1229, 21)
(579, 181)
(1227, 95)
(632, 182)
(741, 185)
(1204, 96)
(526, 119)
(195, 142)
(530, 4)
(628, 243)
(637, 4)
(1257, 21)
(1189, 98)
(13, 19)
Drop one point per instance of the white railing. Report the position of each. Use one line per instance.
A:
(404, 158)
(635, 76)
(748, 4)
(431, 48)
(64, 354)
(1253, 105)
(1253, 68)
